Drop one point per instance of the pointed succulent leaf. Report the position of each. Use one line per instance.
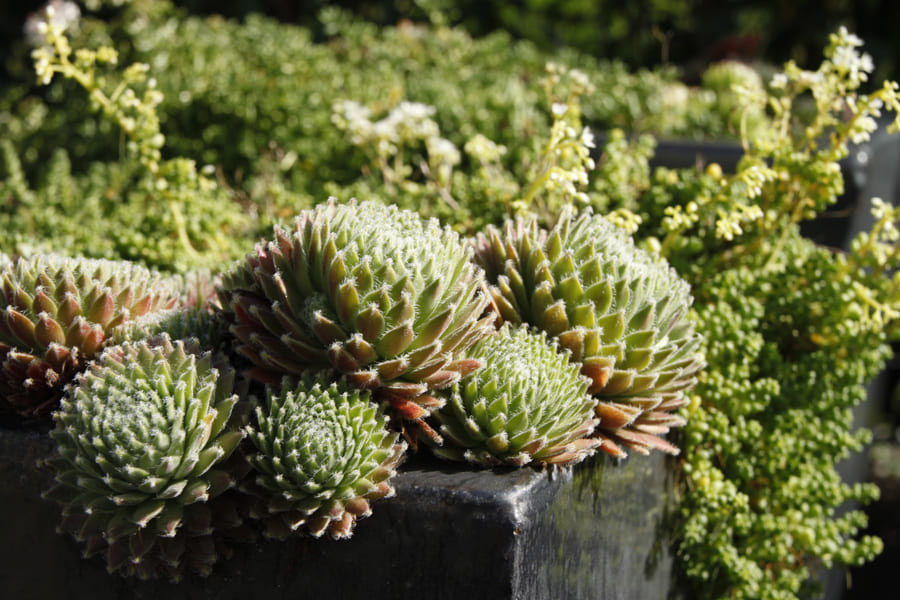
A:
(61, 312)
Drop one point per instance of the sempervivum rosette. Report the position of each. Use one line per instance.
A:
(56, 313)
(379, 294)
(529, 404)
(324, 453)
(144, 439)
(623, 315)
(181, 323)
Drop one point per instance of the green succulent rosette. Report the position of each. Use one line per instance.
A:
(621, 313)
(528, 405)
(56, 313)
(324, 453)
(386, 298)
(145, 440)
(181, 323)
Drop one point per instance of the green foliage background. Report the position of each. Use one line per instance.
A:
(254, 100)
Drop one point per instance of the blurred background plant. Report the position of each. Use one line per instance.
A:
(641, 34)
(239, 97)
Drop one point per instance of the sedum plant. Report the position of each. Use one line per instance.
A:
(323, 454)
(528, 405)
(379, 294)
(144, 438)
(192, 223)
(622, 315)
(792, 332)
(58, 313)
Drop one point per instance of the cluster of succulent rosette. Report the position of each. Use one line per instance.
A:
(281, 397)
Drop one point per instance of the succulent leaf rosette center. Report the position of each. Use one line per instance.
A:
(323, 454)
(380, 294)
(529, 404)
(143, 439)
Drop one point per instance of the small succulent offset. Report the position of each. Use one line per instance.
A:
(144, 437)
(178, 323)
(196, 315)
(323, 454)
(198, 288)
(377, 293)
(57, 313)
(529, 404)
(621, 314)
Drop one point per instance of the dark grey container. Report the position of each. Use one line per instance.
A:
(588, 532)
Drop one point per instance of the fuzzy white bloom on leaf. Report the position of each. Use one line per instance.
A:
(844, 37)
(58, 14)
(862, 129)
(383, 130)
(441, 150)
(848, 60)
(412, 111)
(580, 82)
(559, 109)
(676, 95)
(484, 150)
(407, 123)
(354, 118)
(587, 138)
(879, 208)
(779, 81)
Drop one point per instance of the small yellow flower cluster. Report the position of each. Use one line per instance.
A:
(135, 113)
(131, 100)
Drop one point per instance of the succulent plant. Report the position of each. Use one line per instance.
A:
(529, 404)
(377, 293)
(623, 315)
(198, 288)
(57, 313)
(180, 323)
(324, 454)
(144, 438)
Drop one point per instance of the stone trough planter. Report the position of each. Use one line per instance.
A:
(591, 532)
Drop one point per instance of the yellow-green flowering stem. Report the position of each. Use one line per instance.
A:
(537, 184)
(181, 228)
(136, 116)
(776, 252)
(666, 246)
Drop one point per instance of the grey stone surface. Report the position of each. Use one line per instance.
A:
(588, 532)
